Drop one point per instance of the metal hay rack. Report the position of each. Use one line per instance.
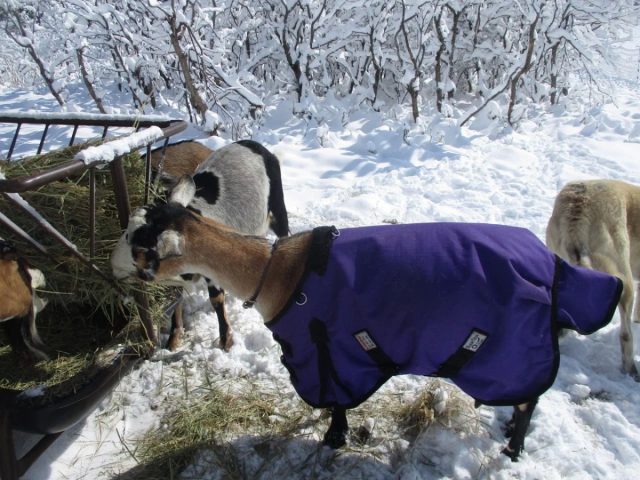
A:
(52, 419)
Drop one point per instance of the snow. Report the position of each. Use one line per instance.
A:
(369, 171)
(108, 151)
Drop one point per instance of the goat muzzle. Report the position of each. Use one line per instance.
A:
(146, 274)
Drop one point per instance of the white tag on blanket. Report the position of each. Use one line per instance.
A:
(365, 340)
(475, 341)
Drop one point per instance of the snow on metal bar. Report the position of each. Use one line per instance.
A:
(108, 151)
(43, 117)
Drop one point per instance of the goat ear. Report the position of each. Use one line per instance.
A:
(37, 278)
(184, 191)
(170, 244)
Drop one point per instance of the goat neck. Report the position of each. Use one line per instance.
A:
(236, 263)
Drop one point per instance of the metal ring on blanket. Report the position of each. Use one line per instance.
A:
(302, 299)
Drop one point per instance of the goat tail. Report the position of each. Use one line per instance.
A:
(279, 217)
(580, 257)
(279, 221)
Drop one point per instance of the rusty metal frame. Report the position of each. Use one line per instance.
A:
(72, 410)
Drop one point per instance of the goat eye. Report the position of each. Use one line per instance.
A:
(138, 251)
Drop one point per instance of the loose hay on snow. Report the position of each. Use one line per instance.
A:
(85, 313)
(243, 428)
(441, 403)
(211, 419)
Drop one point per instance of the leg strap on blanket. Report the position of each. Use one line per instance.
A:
(381, 359)
(467, 350)
(326, 368)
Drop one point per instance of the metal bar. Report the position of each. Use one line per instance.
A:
(73, 135)
(160, 166)
(31, 182)
(104, 132)
(122, 205)
(121, 191)
(42, 138)
(73, 167)
(90, 121)
(7, 222)
(59, 237)
(147, 174)
(174, 127)
(92, 213)
(44, 134)
(13, 142)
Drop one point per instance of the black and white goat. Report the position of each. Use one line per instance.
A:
(238, 185)
(170, 240)
(596, 224)
(20, 304)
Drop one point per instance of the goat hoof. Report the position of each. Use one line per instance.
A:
(512, 454)
(335, 439)
(227, 342)
(632, 372)
(175, 339)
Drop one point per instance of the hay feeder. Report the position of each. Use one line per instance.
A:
(26, 409)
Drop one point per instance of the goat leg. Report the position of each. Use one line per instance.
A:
(216, 297)
(17, 331)
(336, 435)
(177, 327)
(30, 326)
(517, 429)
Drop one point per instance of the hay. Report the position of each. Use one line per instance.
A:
(439, 403)
(210, 421)
(85, 313)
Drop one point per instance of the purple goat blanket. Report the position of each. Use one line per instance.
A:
(480, 304)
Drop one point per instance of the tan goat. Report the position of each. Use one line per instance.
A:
(20, 303)
(596, 224)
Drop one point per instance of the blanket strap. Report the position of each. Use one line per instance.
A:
(460, 357)
(326, 368)
(321, 240)
(380, 358)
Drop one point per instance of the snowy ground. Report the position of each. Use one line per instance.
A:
(361, 173)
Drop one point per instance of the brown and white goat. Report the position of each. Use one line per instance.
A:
(170, 240)
(596, 224)
(184, 158)
(20, 303)
(238, 185)
(178, 159)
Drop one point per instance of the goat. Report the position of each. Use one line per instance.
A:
(492, 297)
(20, 304)
(184, 157)
(239, 185)
(596, 224)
